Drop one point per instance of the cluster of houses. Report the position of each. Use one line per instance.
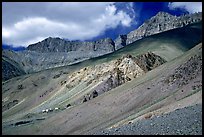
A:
(49, 110)
(55, 109)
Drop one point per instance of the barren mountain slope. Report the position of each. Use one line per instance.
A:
(178, 81)
(38, 91)
(10, 69)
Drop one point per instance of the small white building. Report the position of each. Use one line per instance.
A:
(43, 111)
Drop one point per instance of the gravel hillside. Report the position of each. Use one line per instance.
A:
(185, 121)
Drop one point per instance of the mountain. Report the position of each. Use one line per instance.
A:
(60, 45)
(10, 47)
(161, 22)
(55, 52)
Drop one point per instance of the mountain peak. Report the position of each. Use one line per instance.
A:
(162, 16)
(161, 22)
(162, 13)
(52, 38)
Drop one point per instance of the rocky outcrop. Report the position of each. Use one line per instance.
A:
(149, 61)
(60, 45)
(120, 42)
(106, 76)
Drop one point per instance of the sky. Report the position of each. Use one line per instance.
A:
(25, 23)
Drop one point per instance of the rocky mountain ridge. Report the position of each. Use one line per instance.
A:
(161, 22)
(61, 45)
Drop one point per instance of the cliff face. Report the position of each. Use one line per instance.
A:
(161, 22)
(120, 41)
(61, 45)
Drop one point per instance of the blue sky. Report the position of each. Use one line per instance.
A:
(27, 23)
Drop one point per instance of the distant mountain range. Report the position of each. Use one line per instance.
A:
(10, 47)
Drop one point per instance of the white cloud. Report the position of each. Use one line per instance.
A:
(190, 7)
(33, 22)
